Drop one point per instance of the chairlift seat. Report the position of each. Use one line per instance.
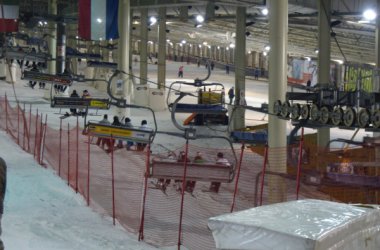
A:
(31, 56)
(96, 64)
(167, 169)
(250, 137)
(354, 179)
(47, 78)
(80, 103)
(122, 133)
(200, 108)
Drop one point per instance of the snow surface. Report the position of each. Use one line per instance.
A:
(42, 212)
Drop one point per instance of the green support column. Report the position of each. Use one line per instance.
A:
(278, 40)
(161, 75)
(52, 43)
(240, 62)
(124, 49)
(144, 46)
(324, 17)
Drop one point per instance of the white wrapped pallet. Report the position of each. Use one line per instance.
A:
(303, 224)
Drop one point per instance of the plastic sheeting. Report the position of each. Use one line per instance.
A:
(302, 224)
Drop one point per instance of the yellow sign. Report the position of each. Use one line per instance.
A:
(108, 131)
(98, 104)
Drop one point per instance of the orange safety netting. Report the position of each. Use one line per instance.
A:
(113, 183)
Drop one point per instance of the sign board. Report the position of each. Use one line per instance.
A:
(47, 78)
(119, 132)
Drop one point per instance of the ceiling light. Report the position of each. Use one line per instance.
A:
(232, 45)
(76, 37)
(99, 20)
(218, 47)
(204, 43)
(249, 52)
(227, 48)
(45, 23)
(338, 61)
(200, 19)
(369, 14)
(308, 58)
(267, 47)
(183, 41)
(168, 40)
(264, 11)
(265, 53)
(190, 45)
(316, 51)
(198, 25)
(209, 46)
(152, 20)
(200, 45)
(180, 44)
(40, 22)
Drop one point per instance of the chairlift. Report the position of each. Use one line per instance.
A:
(134, 134)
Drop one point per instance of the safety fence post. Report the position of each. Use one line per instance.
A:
(43, 141)
(88, 170)
(299, 163)
(40, 140)
(237, 176)
(263, 174)
(183, 193)
(30, 125)
(146, 176)
(35, 137)
(77, 158)
(18, 124)
(113, 181)
(23, 126)
(6, 113)
(60, 148)
(68, 154)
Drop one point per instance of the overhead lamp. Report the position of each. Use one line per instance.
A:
(265, 53)
(152, 20)
(218, 47)
(180, 44)
(249, 52)
(338, 61)
(183, 41)
(265, 11)
(200, 45)
(369, 14)
(232, 45)
(209, 46)
(204, 43)
(227, 48)
(40, 23)
(45, 23)
(76, 37)
(99, 20)
(308, 58)
(168, 40)
(198, 25)
(200, 18)
(267, 47)
(316, 51)
(190, 45)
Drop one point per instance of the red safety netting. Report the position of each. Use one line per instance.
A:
(113, 182)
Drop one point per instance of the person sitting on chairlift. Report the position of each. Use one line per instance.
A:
(220, 160)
